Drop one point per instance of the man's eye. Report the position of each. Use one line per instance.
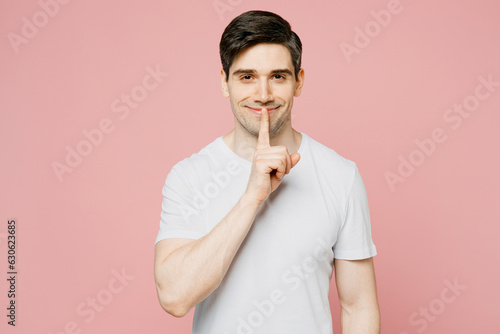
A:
(279, 76)
(246, 77)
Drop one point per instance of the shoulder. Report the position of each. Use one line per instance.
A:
(330, 161)
(198, 163)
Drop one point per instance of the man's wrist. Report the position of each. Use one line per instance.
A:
(248, 200)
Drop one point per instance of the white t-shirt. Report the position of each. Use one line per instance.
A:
(279, 279)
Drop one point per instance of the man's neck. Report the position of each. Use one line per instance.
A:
(244, 144)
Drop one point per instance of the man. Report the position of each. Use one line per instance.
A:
(253, 225)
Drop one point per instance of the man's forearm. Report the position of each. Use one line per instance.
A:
(189, 274)
(360, 320)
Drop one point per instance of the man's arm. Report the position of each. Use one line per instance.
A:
(187, 271)
(357, 292)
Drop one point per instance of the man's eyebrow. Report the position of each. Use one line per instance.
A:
(250, 71)
(243, 71)
(282, 71)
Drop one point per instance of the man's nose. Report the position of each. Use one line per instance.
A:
(264, 92)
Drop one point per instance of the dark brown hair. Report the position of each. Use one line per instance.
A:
(254, 27)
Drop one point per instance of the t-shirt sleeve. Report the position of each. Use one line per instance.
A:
(354, 241)
(180, 214)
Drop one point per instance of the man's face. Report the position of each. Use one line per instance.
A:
(262, 76)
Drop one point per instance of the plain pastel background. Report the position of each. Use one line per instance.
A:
(440, 224)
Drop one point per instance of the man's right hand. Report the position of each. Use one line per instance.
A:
(270, 163)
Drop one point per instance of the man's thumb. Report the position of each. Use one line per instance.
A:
(294, 157)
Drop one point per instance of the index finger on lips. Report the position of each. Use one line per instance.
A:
(263, 139)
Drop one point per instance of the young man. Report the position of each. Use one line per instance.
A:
(253, 225)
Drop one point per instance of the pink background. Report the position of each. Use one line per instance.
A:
(437, 226)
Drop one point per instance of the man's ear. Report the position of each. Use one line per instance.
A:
(223, 83)
(299, 83)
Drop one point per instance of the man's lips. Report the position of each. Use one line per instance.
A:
(257, 111)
